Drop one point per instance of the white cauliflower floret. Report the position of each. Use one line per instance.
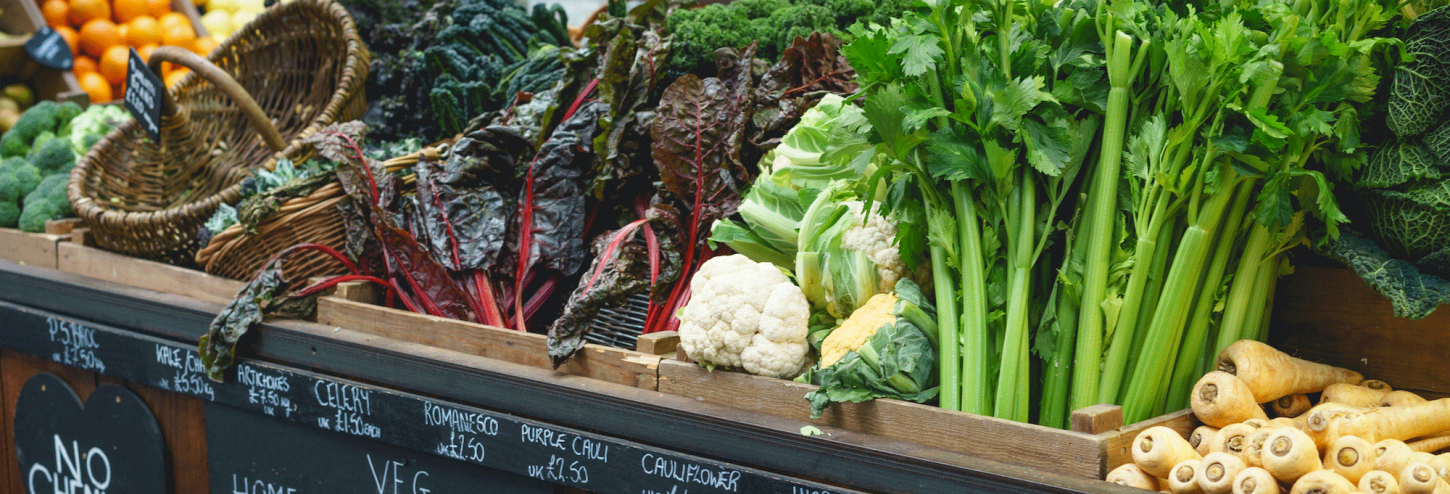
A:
(745, 314)
(873, 237)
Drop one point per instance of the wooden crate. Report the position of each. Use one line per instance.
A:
(604, 363)
(23, 17)
(83, 260)
(30, 249)
(1330, 315)
(1081, 454)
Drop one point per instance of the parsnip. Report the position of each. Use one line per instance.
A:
(1201, 437)
(1271, 374)
(1351, 457)
(1431, 444)
(1217, 471)
(1322, 482)
(1419, 478)
(1400, 398)
(1132, 475)
(1253, 456)
(1401, 422)
(1183, 479)
(1354, 395)
(1391, 456)
(1255, 480)
(1233, 440)
(1290, 454)
(1379, 482)
(1157, 449)
(1291, 406)
(1220, 399)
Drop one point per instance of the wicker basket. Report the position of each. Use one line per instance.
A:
(306, 64)
(312, 219)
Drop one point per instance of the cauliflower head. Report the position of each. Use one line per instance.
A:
(873, 236)
(746, 314)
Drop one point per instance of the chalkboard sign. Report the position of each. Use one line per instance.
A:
(144, 92)
(248, 453)
(110, 444)
(427, 427)
(49, 50)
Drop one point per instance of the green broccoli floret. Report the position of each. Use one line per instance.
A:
(17, 179)
(41, 118)
(47, 202)
(9, 214)
(786, 24)
(699, 32)
(756, 9)
(54, 156)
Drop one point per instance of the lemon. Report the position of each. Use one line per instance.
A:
(223, 5)
(218, 23)
(241, 18)
(253, 6)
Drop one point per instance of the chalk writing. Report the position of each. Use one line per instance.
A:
(74, 472)
(243, 485)
(546, 437)
(556, 471)
(78, 345)
(391, 478)
(189, 374)
(265, 389)
(723, 479)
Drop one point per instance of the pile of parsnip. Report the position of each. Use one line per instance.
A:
(1361, 437)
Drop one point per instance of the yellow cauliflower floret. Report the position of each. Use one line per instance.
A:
(856, 329)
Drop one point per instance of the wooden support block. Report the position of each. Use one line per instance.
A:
(356, 291)
(661, 343)
(1097, 419)
(82, 236)
(680, 355)
(61, 226)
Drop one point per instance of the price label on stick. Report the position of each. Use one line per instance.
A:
(48, 49)
(143, 96)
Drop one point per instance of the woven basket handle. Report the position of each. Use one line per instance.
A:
(221, 80)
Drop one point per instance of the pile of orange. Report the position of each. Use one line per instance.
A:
(101, 33)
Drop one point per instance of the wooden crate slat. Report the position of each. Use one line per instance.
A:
(141, 273)
(608, 364)
(30, 249)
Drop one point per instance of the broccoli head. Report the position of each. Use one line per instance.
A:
(47, 202)
(699, 32)
(17, 179)
(45, 116)
(9, 214)
(784, 25)
(54, 156)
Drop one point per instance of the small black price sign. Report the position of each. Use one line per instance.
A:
(48, 49)
(143, 95)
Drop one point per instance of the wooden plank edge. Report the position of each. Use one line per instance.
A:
(31, 249)
(1115, 443)
(140, 273)
(1071, 453)
(616, 365)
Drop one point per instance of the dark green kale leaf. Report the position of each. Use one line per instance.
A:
(1414, 293)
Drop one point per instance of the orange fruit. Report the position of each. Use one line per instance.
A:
(82, 11)
(175, 76)
(95, 85)
(143, 30)
(113, 63)
(145, 51)
(158, 8)
(125, 10)
(204, 45)
(173, 19)
(98, 35)
(71, 38)
(84, 65)
(181, 36)
(56, 12)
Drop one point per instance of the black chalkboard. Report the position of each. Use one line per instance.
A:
(110, 444)
(448, 431)
(254, 454)
(144, 92)
(49, 50)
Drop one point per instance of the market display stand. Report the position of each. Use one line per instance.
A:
(353, 412)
